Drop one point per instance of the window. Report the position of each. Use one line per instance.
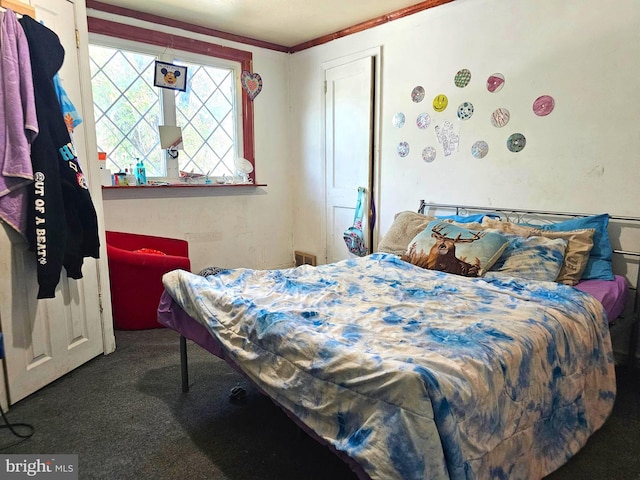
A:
(214, 112)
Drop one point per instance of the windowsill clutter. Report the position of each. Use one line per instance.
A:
(155, 185)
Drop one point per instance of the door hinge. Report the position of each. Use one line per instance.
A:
(325, 87)
(77, 39)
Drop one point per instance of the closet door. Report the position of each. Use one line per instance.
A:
(349, 121)
(44, 339)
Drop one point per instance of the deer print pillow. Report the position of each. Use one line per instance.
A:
(454, 249)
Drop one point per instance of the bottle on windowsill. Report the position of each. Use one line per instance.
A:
(141, 174)
(131, 178)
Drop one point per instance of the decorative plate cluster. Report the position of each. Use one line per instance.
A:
(446, 132)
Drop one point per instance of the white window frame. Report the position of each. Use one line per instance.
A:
(168, 96)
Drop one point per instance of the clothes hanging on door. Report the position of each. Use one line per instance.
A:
(19, 125)
(69, 113)
(62, 222)
(354, 236)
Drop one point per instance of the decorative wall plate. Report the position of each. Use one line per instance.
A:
(429, 154)
(480, 149)
(398, 120)
(543, 105)
(252, 83)
(465, 110)
(500, 117)
(440, 103)
(423, 121)
(495, 82)
(462, 78)
(403, 149)
(417, 95)
(516, 142)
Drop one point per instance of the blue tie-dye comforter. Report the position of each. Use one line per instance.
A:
(418, 374)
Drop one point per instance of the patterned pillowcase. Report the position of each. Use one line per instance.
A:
(531, 258)
(600, 256)
(450, 248)
(576, 256)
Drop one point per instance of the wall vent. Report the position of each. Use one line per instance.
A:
(303, 258)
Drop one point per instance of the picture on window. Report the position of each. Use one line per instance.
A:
(170, 76)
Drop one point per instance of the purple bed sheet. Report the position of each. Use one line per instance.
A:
(612, 294)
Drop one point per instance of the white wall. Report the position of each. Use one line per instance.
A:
(582, 157)
(229, 227)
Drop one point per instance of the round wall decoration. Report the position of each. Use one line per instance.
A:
(495, 82)
(543, 105)
(417, 95)
(403, 149)
(480, 149)
(398, 120)
(423, 121)
(500, 117)
(465, 111)
(429, 154)
(440, 103)
(516, 142)
(462, 78)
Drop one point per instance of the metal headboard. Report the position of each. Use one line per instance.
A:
(540, 216)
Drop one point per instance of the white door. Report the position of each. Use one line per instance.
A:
(44, 339)
(349, 149)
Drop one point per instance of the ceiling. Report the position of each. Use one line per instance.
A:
(281, 22)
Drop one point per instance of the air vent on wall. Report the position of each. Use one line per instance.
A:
(303, 258)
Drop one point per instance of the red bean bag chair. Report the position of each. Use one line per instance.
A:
(136, 265)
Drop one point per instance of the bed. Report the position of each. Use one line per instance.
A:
(416, 373)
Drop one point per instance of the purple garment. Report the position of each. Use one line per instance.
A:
(20, 124)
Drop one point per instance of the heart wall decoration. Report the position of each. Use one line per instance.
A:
(252, 83)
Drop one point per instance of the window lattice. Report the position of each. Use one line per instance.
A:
(205, 111)
(128, 110)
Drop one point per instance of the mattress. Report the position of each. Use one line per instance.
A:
(415, 373)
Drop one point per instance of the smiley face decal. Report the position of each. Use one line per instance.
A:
(440, 103)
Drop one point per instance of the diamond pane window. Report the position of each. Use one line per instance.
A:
(127, 108)
(202, 111)
(214, 113)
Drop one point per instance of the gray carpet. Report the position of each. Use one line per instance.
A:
(125, 416)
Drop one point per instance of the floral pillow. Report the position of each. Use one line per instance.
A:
(531, 258)
(450, 248)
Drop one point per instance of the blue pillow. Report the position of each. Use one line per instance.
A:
(599, 264)
(468, 218)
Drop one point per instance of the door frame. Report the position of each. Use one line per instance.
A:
(376, 53)
(91, 170)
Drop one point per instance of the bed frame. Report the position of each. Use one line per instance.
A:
(617, 224)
